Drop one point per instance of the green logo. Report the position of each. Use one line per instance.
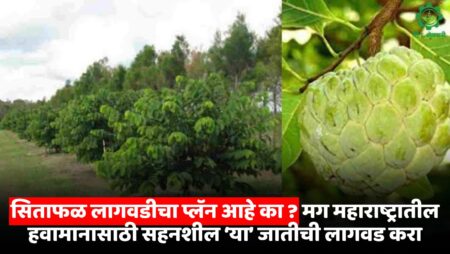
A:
(429, 16)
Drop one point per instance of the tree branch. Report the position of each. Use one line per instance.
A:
(387, 14)
(355, 45)
(374, 31)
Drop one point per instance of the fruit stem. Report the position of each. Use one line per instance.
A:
(355, 45)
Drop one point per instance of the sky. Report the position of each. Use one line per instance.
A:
(45, 42)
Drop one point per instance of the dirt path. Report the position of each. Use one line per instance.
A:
(26, 169)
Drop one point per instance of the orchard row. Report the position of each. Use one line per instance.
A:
(181, 120)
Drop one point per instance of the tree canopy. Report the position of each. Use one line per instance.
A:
(180, 119)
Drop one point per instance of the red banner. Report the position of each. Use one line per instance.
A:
(167, 211)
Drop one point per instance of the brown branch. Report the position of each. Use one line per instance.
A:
(387, 14)
(355, 45)
(408, 9)
(374, 30)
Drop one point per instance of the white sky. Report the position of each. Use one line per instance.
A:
(45, 42)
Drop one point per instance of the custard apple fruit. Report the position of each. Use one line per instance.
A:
(379, 126)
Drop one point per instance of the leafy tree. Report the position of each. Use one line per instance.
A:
(18, 118)
(178, 133)
(63, 95)
(95, 77)
(4, 108)
(194, 136)
(173, 63)
(238, 50)
(267, 71)
(83, 130)
(197, 67)
(144, 72)
(40, 128)
(165, 65)
(114, 113)
(180, 54)
(216, 59)
(116, 83)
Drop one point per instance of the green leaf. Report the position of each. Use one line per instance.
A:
(436, 49)
(302, 13)
(314, 14)
(291, 84)
(291, 147)
(147, 188)
(420, 188)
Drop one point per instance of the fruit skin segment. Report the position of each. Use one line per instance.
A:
(379, 126)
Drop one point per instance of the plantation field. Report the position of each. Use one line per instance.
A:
(176, 122)
(26, 169)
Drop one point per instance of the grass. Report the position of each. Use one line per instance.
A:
(27, 170)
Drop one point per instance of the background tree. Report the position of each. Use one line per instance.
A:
(144, 71)
(173, 63)
(216, 61)
(267, 70)
(194, 126)
(40, 128)
(197, 66)
(238, 50)
(116, 83)
(95, 77)
(4, 108)
(18, 117)
(63, 95)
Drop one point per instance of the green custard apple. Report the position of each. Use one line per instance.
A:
(379, 126)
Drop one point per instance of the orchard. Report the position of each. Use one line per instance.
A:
(175, 121)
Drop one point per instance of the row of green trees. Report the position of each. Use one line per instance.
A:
(182, 119)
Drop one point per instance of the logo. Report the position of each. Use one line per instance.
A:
(430, 16)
